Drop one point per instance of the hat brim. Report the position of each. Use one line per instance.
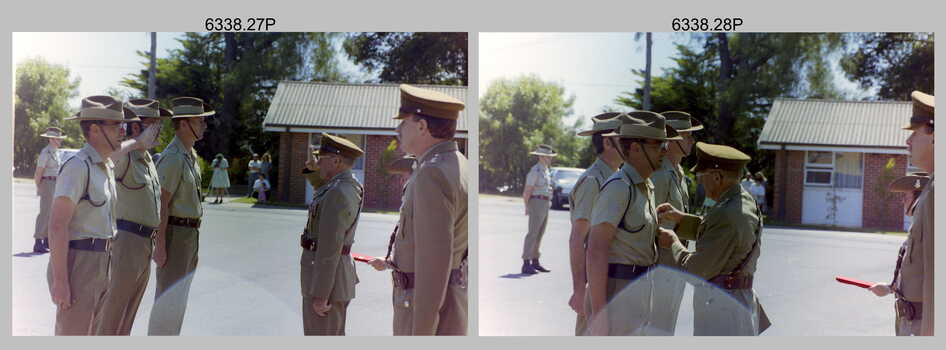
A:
(695, 125)
(163, 113)
(209, 112)
(672, 135)
(53, 136)
(544, 154)
(128, 115)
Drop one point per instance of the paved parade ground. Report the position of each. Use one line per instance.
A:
(795, 279)
(247, 280)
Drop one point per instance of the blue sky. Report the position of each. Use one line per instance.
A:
(595, 67)
(102, 60)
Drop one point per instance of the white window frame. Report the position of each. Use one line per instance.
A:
(818, 167)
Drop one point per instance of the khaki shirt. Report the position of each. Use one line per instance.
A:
(432, 237)
(634, 243)
(586, 189)
(724, 237)
(93, 217)
(49, 160)
(670, 186)
(540, 177)
(333, 217)
(914, 278)
(139, 191)
(179, 175)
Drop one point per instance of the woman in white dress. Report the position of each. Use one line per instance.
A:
(220, 182)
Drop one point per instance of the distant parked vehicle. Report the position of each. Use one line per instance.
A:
(563, 180)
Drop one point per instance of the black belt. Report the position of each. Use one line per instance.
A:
(186, 222)
(406, 280)
(311, 245)
(732, 281)
(138, 229)
(627, 272)
(545, 198)
(50, 178)
(909, 310)
(92, 244)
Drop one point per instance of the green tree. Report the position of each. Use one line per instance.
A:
(41, 100)
(419, 58)
(238, 73)
(897, 63)
(516, 115)
(729, 80)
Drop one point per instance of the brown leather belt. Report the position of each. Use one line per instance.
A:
(732, 281)
(545, 198)
(311, 245)
(185, 222)
(909, 310)
(626, 272)
(50, 178)
(406, 280)
(136, 228)
(91, 244)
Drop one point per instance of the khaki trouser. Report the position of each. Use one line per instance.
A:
(905, 327)
(174, 281)
(333, 323)
(453, 313)
(538, 218)
(629, 305)
(88, 280)
(721, 312)
(130, 270)
(46, 190)
(668, 293)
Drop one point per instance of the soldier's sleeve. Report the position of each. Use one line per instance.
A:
(926, 326)
(170, 171)
(688, 226)
(532, 178)
(611, 203)
(336, 214)
(71, 180)
(714, 246)
(585, 194)
(435, 211)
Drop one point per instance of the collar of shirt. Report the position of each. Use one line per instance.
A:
(602, 168)
(443, 147)
(94, 155)
(342, 175)
(631, 174)
(732, 192)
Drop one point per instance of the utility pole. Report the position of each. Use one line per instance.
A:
(153, 69)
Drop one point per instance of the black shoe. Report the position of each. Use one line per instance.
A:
(527, 268)
(46, 243)
(38, 247)
(537, 267)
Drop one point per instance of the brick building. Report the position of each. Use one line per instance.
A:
(835, 159)
(301, 111)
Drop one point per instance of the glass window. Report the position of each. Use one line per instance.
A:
(819, 158)
(818, 177)
(848, 170)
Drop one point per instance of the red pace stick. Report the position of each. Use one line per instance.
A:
(362, 258)
(854, 282)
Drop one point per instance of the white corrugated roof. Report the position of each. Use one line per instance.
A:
(837, 123)
(346, 106)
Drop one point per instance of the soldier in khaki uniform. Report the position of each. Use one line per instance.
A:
(47, 168)
(728, 242)
(537, 195)
(671, 185)
(622, 247)
(83, 218)
(913, 275)
(139, 196)
(430, 241)
(580, 202)
(176, 241)
(328, 271)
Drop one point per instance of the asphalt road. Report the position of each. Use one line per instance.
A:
(246, 283)
(794, 281)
